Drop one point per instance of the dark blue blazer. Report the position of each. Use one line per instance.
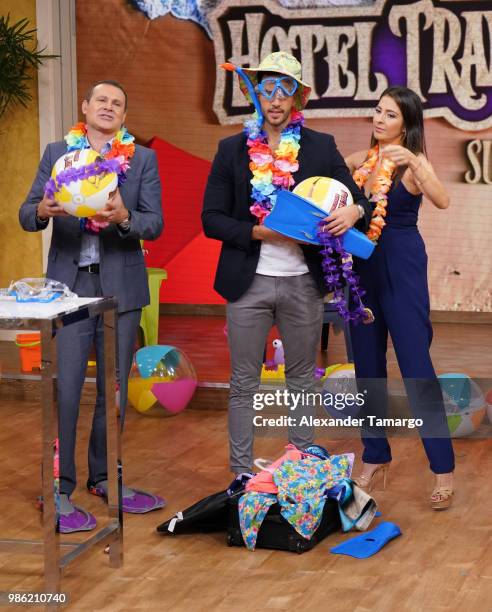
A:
(226, 216)
(122, 266)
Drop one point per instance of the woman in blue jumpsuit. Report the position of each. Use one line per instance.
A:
(395, 278)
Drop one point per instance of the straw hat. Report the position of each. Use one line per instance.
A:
(279, 62)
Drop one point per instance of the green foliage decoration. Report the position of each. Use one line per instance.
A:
(19, 56)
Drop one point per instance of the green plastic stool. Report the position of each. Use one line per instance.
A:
(149, 321)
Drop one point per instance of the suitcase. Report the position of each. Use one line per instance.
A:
(277, 533)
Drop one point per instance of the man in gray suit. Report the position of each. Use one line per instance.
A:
(98, 259)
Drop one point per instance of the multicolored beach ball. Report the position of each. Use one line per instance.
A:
(162, 381)
(339, 385)
(488, 399)
(326, 193)
(464, 402)
(83, 198)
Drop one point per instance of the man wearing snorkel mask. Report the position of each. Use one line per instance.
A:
(266, 277)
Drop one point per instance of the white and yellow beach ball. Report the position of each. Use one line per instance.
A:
(83, 198)
(326, 193)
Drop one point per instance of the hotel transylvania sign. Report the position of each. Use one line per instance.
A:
(442, 50)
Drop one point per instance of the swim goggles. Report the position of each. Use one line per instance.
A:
(282, 87)
(39, 290)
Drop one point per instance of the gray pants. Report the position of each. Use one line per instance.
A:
(74, 344)
(295, 305)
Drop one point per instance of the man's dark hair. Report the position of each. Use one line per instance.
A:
(262, 75)
(90, 91)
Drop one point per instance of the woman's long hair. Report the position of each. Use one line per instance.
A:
(413, 121)
(413, 118)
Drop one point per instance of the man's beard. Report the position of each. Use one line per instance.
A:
(280, 117)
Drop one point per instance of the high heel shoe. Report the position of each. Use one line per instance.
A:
(442, 495)
(368, 482)
(441, 498)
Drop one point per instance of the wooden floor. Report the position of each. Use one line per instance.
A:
(443, 561)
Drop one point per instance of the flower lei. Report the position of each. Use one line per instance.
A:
(116, 159)
(333, 251)
(379, 189)
(70, 175)
(337, 267)
(272, 171)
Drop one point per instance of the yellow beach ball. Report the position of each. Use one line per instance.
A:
(83, 198)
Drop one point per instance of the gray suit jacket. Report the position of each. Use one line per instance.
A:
(122, 266)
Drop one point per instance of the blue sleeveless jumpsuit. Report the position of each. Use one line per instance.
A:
(395, 279)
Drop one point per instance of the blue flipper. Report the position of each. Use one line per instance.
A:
(368, 543)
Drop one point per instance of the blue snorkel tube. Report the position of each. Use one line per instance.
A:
(251, 90)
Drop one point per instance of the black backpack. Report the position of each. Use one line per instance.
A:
(207, 515)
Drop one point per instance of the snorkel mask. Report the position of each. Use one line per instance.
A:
(282, 87)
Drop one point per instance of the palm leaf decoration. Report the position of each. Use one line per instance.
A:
(19, 55)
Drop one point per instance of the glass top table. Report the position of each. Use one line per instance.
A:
(48, 318)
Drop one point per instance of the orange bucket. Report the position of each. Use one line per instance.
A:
(30, 350)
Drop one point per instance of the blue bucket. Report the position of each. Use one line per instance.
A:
(299, 218)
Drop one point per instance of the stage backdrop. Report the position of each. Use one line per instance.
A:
(181, 104)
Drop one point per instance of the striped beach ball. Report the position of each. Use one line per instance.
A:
(465, 403)
(488, 400)
(162, 381)
(83, 198)
(326, 193)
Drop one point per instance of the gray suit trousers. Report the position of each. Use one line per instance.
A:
(295, 305)
(74, 344)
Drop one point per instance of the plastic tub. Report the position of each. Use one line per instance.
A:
(30, 350)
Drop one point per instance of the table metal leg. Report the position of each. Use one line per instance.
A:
(49, 434)
(50, 545)
(110, 323)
